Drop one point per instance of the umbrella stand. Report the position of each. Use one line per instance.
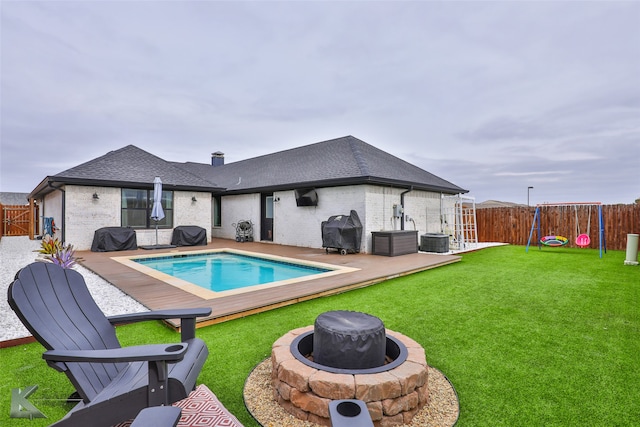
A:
(157, 213)
(156, 233)
(156, 246)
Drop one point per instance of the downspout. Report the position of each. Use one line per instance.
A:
(402, 204)
(64, 198)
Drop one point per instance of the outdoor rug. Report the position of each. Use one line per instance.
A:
(201, 409)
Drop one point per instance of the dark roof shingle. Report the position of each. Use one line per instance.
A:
(131, 166)
(340, 161)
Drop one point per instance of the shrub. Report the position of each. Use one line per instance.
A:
(64, 257)
(50, 246)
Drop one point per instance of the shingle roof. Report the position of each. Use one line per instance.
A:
(340, 161)
(8, 198)
(129, 165)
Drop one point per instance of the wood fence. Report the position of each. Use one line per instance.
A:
(513, 225)
(19, 220)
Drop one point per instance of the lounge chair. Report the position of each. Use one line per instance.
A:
(114, 383)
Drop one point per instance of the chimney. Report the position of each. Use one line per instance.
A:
(217, 158)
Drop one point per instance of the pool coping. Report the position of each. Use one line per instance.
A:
(210, 294)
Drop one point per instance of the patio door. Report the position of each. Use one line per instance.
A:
(266, 225)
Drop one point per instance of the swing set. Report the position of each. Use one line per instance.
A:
(582, 238)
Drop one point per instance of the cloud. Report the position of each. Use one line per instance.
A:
(472, 92)
(531, 174)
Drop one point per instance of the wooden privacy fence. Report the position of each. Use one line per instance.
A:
(17, 220)
(512, 225)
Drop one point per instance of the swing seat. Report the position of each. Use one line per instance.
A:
(554, 240)
(583, 240)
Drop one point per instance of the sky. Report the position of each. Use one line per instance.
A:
(493, 96)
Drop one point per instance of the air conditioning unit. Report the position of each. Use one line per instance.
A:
(434, 242)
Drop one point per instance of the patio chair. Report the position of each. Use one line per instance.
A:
(114, 383)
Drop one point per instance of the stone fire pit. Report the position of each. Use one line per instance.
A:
(392, 396)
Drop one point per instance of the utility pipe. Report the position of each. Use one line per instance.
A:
(402, 205)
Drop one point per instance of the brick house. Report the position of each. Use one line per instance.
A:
(286, 195)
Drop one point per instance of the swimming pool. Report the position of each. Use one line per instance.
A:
(222, 271)
(215, 273)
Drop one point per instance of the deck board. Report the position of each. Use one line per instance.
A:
(155, 294)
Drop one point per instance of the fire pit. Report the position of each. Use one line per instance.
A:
(394, 388)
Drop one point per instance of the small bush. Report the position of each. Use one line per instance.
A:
(50, 246)
(64, 257)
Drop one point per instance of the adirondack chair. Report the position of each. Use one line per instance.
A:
(114, 383)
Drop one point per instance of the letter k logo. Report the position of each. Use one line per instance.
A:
(21, 407)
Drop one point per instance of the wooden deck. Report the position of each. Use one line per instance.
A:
(156, 294)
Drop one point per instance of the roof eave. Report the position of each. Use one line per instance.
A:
(47, 185)
(340, 182)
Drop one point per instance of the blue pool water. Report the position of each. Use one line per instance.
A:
(223, 271)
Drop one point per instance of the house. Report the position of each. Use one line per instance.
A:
(286, 195)
(14, 198)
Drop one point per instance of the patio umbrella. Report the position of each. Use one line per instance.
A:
(157, 214)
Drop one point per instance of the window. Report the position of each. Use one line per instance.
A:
(268, 207)
(216, 214)
(136, 209)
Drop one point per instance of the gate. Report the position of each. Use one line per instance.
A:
(16, 220)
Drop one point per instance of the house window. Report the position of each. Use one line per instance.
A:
(136, 208)
(216, 208)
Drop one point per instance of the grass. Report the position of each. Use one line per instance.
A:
(548, 337)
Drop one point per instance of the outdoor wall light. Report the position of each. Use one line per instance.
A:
(95, 196)
(193, 199)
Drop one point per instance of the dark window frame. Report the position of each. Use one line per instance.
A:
(140, 201)
(216, 211)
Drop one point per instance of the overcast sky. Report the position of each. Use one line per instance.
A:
(494, 96)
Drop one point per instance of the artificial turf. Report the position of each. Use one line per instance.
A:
(546, 337)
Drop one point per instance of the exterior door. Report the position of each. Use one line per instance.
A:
(266, 226)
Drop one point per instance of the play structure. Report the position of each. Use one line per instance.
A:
(567, 222)
(458, 221)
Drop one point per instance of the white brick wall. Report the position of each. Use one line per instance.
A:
(84, 215)
(293, 225)
(300, 226)
(52, 207)
(188, 212)
(238, 208)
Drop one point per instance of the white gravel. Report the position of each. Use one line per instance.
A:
(17, 252)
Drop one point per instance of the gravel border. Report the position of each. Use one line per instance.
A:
(442, 410)
(17, 252)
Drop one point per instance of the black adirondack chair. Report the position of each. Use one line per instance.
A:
(114, 383)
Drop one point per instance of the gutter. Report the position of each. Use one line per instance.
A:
(64, 198)
(402, 204)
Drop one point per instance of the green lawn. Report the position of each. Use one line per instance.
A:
(544, 338)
